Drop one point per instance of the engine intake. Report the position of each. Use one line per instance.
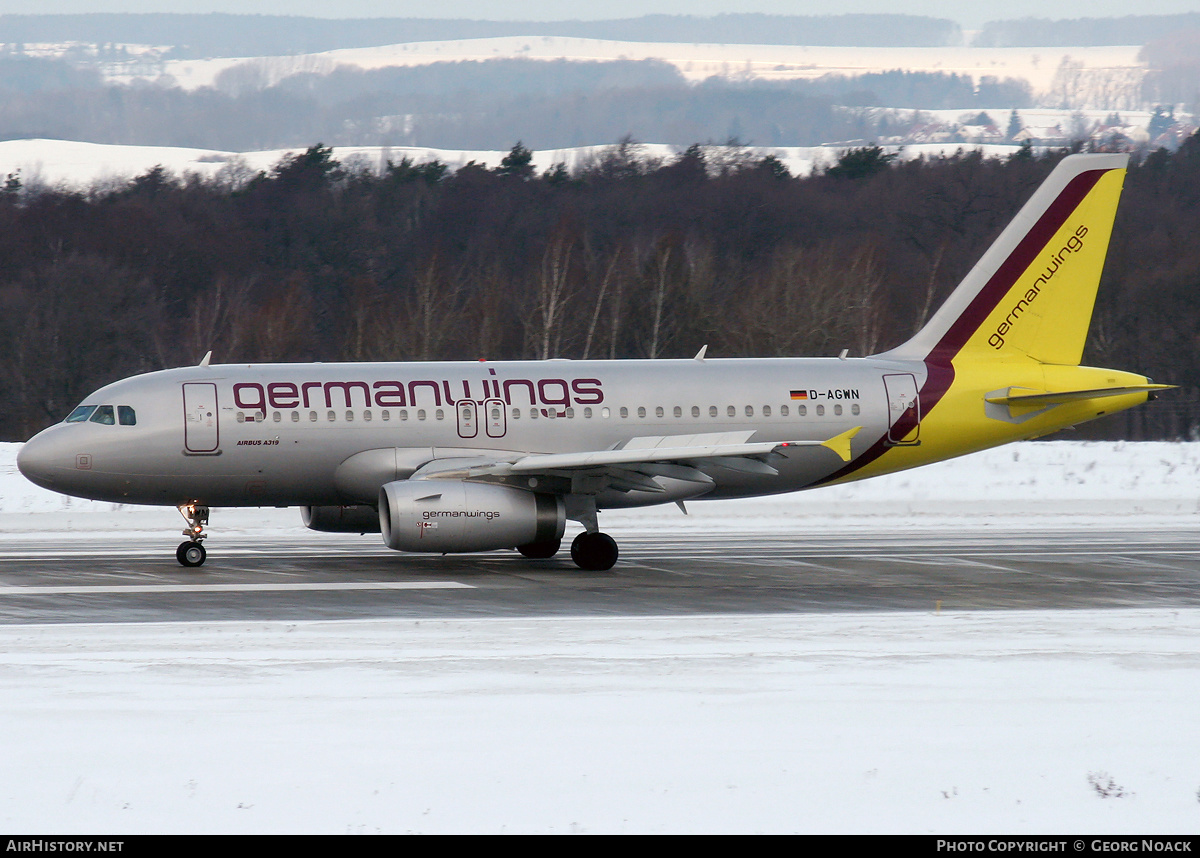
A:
(450, 516)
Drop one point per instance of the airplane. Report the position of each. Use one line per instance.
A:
(490, 455)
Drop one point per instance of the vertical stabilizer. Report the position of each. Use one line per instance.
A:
(1032, 293)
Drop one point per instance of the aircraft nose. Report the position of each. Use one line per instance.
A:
(43, 459)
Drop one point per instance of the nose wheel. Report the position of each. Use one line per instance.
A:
(192, 553)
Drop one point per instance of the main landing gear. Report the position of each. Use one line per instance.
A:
(192, 553)
(593, 552)
(540, 550)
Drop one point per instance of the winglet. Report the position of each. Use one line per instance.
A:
(840, 444)
(207, 357)
(700, 354)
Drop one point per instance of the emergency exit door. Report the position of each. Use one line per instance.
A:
(468, 419)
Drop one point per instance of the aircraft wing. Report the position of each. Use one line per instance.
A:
(635, 464)
(672, 448)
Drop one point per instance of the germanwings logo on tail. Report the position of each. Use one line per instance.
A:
(1074, 245)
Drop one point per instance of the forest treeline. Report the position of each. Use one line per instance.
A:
(554, 104)
(1083, 32)
(1174, 69)
(624, 257)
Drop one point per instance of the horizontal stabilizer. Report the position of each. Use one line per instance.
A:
(1015, 396)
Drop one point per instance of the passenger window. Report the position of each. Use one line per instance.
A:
(439, 414)
(605, 413)
(387, 415)
(766, 411)
(624, 412)
(295, 416)
(587, 413)
(403, 413)
(276, 417)
(837, 409)
(712, 411)
(695, 410)
(420, 413)
(854, 409)
(678, 412)
(783, 411)
(641, 411)
(658, 412)
(731, 411)
(533, 414)
(749, 410)
(570, 412)
(312, 417)
(126, 415)
(802, 410)
(367, 414)
(80, 414)
(820, 410)
(516, 412)
(331, 416)
(104, 414)
(349, 416)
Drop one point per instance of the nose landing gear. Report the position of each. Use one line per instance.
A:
(192, 553)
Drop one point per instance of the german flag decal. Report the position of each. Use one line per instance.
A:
(799, 394)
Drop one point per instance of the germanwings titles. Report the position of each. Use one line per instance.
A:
(455, 457)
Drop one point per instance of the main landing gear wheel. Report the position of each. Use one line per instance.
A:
(540, 550)
(594, 552)
(190, 554)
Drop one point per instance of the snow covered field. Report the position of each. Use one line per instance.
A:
(695, 61)
(75, 164)
(983, 722)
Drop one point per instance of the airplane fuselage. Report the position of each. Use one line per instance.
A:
(253, 435)
(277, 434)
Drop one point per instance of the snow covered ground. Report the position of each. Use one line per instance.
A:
(981, 722)
(77, 165)
(695, 61)
(74, 164)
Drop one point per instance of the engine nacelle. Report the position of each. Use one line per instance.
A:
(362, 518)
(450, 516)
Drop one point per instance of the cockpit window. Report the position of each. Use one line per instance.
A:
(80, 414)
(104, 414)
(126, 415)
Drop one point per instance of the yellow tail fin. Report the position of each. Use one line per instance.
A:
(1031, 294)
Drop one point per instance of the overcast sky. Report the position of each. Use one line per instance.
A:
(968, 14)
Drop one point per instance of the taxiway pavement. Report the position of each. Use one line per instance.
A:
(134, 578)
